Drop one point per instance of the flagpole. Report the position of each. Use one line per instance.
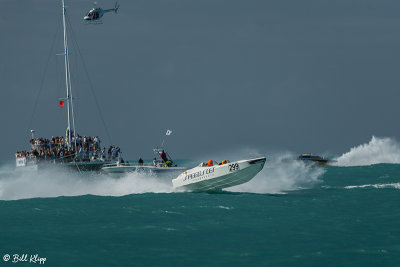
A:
(162, 144)
(169, 132)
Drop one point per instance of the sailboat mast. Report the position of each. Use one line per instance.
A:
(67, 76)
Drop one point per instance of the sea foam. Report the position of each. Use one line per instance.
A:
(378, 150)
(377, 186)
(54, 182)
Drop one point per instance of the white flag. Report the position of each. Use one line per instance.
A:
(169, 132)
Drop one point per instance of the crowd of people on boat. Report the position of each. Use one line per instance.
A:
(84, 148)
(81, 149)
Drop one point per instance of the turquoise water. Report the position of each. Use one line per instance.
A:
(348, 216)
(290, 214)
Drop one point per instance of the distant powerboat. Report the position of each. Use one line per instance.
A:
(213, 177)
(314, 159)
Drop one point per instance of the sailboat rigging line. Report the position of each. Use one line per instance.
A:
(91, 87)
(43, 78)
(77, 166)
(72, 103)
(67, 80)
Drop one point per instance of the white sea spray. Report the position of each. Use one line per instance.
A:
(54, 182)
(377, 150)
(280, 174)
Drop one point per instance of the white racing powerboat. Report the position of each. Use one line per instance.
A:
(213, 177)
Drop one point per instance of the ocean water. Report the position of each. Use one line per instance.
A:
(291, 214)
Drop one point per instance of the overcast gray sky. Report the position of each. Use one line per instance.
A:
(305, 76)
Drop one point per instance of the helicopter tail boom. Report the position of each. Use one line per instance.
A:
(115, 9)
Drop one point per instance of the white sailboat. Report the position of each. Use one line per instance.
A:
(71, 150)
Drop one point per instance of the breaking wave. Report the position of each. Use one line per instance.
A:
(378, 186)
(378, 150)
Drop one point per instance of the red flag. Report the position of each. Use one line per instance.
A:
(61, 103)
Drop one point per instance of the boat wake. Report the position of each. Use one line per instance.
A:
(281, 175)
(21, 184)
(278, 176)
(378, 150)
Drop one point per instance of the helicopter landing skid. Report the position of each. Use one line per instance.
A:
(93, 22)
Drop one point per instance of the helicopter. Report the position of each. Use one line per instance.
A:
(97, 13)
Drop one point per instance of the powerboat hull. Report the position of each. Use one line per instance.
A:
(121, 169)
(314, 159)
(218, 177)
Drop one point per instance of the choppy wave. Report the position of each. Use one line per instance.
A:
(378, 186)
(378, 150)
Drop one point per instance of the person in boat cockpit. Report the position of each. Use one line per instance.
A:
(163, 155)
(140, 161)
(155, 162)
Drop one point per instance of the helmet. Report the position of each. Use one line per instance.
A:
(224, 161)
(210, 162)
